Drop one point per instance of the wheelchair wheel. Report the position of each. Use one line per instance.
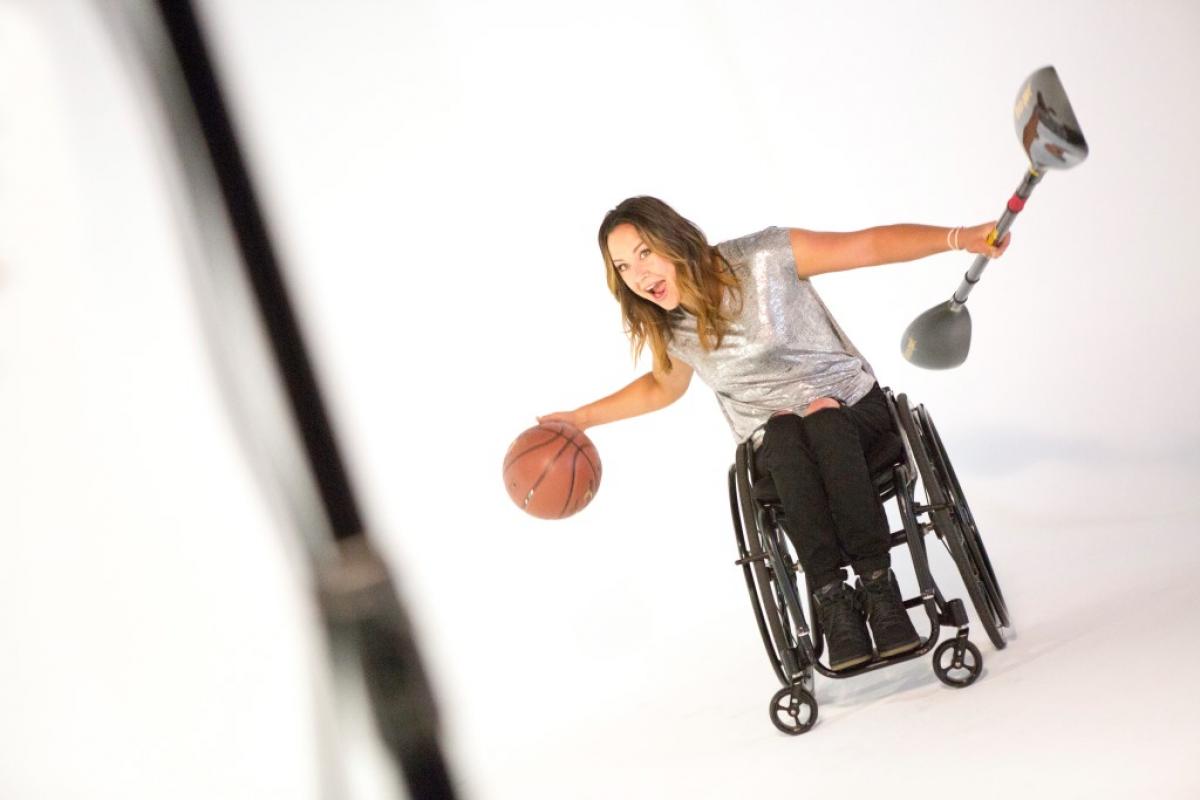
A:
(957, 674)
(765, 596)
(793, 710)
(944, 523)
(970, 530)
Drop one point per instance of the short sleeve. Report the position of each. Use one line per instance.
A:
(735, 250)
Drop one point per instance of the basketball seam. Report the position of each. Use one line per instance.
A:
(546, 469)
(516, 456)
(578, 452)
(571, 439)
(571, 486)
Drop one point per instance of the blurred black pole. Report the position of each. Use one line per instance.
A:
(368, 632)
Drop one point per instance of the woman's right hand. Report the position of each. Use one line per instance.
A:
(569, 417)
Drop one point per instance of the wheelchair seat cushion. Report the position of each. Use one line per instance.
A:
(885, 453)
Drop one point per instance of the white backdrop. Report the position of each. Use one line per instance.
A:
(435, 174)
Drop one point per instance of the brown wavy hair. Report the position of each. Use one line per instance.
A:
(701, 273)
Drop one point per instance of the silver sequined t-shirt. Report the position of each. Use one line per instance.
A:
(783, 350)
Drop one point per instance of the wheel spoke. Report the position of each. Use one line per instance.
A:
(937, 485)
(970, 530)
(793, 710)
(957, 675)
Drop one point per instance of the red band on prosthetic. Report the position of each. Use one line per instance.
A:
(1015, 204)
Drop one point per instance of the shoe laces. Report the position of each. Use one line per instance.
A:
(882, 599)
(833, 601)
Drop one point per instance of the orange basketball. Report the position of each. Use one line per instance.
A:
(552, 470)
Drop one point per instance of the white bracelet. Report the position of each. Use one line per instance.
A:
(955, 232)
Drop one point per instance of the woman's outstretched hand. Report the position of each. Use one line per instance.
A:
(569, 417)
(974, 240)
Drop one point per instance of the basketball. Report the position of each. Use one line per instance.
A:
(552, 470)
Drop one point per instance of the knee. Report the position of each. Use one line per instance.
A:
(821, 403)
(783, 444)
(826, 422)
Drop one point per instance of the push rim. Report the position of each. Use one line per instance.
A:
(949, 531)
(970, 530)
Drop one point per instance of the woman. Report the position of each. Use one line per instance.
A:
(744, 315)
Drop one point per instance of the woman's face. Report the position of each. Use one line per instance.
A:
(648, 274)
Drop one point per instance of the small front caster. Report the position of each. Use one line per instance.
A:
(955, 665)
(793, 710)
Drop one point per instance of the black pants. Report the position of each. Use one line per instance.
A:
(819, 467)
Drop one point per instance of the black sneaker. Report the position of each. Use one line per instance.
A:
(890, 624)
(845, 630)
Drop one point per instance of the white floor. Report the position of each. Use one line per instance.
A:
(1093, 697)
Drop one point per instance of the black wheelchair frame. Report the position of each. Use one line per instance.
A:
(913, 451)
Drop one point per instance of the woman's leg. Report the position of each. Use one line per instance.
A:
(838, 439)
(864, 536)
(858, 516)
(793, 467)
(786, 457)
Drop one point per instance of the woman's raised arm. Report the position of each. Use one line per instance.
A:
(818, 252)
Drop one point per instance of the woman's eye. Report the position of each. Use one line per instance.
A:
(620, 267)
(643, 254)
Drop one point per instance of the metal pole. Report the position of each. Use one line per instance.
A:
(1015, 204)
(273, 394)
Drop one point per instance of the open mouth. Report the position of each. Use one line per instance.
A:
(658, 290)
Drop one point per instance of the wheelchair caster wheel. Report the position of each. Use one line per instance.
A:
(793, 710)
(960, 674)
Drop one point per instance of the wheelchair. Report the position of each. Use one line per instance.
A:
(910, 454)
